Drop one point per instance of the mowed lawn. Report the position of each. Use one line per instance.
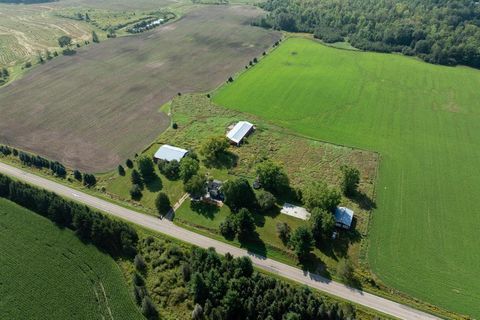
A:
(425, 122)
(48, 273)
(93, 110)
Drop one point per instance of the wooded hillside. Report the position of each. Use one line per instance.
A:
(439, 31)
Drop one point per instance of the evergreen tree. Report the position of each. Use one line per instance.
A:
(136, 178)
(121, 170)
(95, 37)
(145, 166)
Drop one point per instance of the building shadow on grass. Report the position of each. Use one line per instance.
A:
(155, 184)
(208, 210)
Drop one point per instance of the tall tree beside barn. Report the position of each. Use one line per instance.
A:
(145, 165)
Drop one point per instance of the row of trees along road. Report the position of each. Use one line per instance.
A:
(438, 31)
(56, 167)
(112, 236)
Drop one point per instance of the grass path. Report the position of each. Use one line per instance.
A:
(424, 120)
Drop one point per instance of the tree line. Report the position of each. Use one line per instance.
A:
(216, 287)
(229, 288)
(39, 162)
(438, 31)
(114, 237)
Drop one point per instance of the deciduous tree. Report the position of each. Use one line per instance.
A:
(319, 195)
(238, 194)
(272, 177)
(162, 203)
(64, 41)
(350, 181)
(188, 168)
(322, 224)
(301, 242)
(196, 186)
(213, 149)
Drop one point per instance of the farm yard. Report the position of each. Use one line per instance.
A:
(304, 160)
(423, 120)
(48, 272)
(95, 109)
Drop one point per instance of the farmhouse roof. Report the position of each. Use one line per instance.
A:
(169, 153)
(344, 216)
(239, 131)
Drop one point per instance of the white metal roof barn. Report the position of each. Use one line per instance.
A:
(239, 131)
(169, 153)
(343, 217)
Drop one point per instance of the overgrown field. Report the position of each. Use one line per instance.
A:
(423, 119)
(96, 108)
(47, 272)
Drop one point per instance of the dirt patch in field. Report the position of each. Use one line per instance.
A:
(93, 110)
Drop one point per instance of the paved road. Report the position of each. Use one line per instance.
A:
(167, 227)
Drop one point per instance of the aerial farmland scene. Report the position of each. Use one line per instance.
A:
(239, 159)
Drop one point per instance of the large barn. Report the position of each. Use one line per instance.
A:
(239, 132)
(169, 153)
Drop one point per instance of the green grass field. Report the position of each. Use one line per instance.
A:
(423, 119)
(47, 272)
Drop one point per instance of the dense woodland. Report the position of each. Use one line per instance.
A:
(438, 31)
(218, 287)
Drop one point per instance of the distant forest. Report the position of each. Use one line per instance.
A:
(438, 31)
(26, 1)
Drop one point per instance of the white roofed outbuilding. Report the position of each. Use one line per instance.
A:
(239, 132)
(295, 211)
(170, 153)
(343, 217)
